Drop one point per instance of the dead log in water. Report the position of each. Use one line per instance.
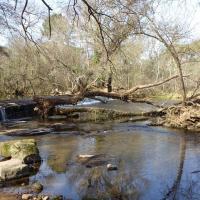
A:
(46, 104)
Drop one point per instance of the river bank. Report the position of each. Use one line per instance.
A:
(173, 114)
(185, 117)
(144, 157)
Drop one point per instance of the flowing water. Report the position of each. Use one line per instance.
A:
(150, 161)
(2, 114)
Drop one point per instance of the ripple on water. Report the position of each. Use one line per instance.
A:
(148, 159)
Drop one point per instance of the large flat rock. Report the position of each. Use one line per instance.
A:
(13, 169)
(18, 108)
(23, 153)
(24, 150)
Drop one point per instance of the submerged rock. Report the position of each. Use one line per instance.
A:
(30, 132)
(37, 187)
(64, 127)
(57, 117)
(91, 161)
(95, 163)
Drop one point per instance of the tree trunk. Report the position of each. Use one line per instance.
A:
(45, 104)
(184, 95)
(109, 84)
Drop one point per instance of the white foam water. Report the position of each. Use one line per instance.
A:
(2, 114)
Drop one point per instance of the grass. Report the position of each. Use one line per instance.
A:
(165, 96)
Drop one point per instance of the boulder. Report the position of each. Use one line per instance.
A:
(13, 169)
(22, 154)
(25, 150)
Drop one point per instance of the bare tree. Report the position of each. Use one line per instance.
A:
(133, 18)
(118, 20)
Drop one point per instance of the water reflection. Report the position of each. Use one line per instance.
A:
(145, 158)
(151, 162)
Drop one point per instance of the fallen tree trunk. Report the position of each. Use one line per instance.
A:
(46, 104)
(125, 95)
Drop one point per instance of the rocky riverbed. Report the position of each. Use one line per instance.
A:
(97, 159)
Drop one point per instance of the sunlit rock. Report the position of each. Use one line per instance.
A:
(27, 196)
(111, 167)
(24, 150)
(85, 156)
(23, 155)
(12, 169)
(45, 198)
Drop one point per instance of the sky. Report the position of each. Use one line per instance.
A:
(187, 12)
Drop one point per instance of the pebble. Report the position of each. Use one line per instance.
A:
(27, 196)
(85, 156)
(111, 167)
(37, 187)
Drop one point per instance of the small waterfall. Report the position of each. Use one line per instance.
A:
(2, 114)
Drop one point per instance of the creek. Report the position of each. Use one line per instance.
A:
(151, 161)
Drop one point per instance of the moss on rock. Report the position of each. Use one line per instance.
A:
(19, 149)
